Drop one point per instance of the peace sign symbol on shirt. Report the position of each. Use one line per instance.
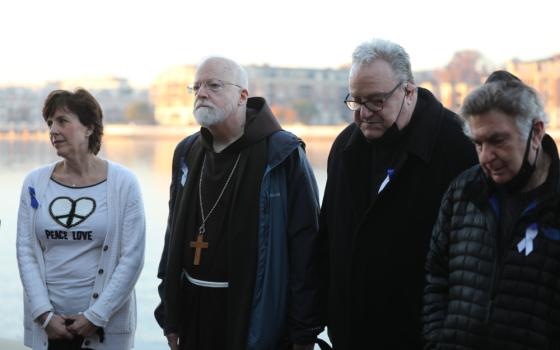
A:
(69, 213)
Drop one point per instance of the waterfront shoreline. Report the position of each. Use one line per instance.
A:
(176, 132)
(315, 132)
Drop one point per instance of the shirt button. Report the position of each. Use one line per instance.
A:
(100, 271)
(95, 296)
(105, 248)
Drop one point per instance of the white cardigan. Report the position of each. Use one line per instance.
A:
(113, 302)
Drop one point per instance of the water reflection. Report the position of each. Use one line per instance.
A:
(154, 154)
(18, 154)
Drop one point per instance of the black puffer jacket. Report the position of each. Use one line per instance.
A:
(480, 297)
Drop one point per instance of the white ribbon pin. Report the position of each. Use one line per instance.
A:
(185, 171)
(390, 173)
(527, 242)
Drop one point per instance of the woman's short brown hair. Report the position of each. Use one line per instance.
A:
(84, 105)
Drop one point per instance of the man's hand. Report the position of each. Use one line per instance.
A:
(81, 326)
(56, 328)
(173, 341)
(303, 347)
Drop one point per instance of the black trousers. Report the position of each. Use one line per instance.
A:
(67, 344)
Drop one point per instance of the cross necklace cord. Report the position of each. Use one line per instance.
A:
(199, 244)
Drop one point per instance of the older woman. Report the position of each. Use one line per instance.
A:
(80, 236)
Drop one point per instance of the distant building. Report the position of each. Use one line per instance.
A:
(173, 104)
(306, 95)
(451, 84)
(311, 96)
(544, 76)
(21, 106)
(450, 94)
(114, 94)
(94, 83)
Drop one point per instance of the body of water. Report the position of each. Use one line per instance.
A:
(150, 160)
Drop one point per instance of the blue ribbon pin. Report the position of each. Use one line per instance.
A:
(34, 202)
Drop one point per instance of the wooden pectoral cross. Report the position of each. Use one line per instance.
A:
(199, 244)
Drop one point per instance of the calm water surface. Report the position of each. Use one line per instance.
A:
(150, 160)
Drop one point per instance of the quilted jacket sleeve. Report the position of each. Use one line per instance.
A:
(437, 274)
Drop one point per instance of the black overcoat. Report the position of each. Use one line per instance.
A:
(377, 248)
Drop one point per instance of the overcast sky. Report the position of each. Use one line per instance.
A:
(63, 39)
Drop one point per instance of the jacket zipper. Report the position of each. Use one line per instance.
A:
(494, 221)
(492, 290)
(499, 258)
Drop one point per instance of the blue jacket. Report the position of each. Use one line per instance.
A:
(287, 283)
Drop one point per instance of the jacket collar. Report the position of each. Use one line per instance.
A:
(479, 190)
(424, 125)
(549, 146)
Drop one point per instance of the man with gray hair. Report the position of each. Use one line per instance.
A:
(239, 266)
(387, 173)
(494, 261)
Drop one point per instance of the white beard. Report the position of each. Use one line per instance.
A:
(208, 116)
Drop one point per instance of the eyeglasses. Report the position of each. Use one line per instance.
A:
(374, 105)
(214, 85)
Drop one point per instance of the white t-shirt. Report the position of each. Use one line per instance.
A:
(71, 230)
